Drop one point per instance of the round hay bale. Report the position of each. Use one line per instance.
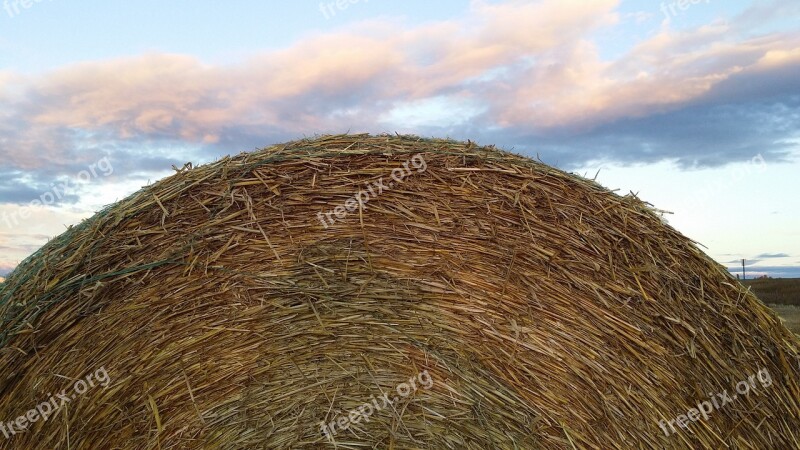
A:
(387, 292)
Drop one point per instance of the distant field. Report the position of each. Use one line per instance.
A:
(782, 295)
(776, 291)
(790, 314)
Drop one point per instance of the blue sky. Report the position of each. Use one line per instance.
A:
(695, 106)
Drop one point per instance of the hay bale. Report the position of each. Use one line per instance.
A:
(495, 301)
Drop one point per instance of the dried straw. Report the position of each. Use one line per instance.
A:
(550, 313)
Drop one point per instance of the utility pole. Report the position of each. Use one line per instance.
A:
(744, 274)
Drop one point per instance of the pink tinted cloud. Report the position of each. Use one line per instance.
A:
(668, 71)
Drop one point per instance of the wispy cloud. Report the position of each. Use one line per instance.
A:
(773, 255)
(747, 262)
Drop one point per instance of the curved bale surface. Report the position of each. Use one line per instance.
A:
(387, 292)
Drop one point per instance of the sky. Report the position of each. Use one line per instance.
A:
(693, 105)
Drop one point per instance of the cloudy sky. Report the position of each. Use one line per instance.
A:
(693, 105)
